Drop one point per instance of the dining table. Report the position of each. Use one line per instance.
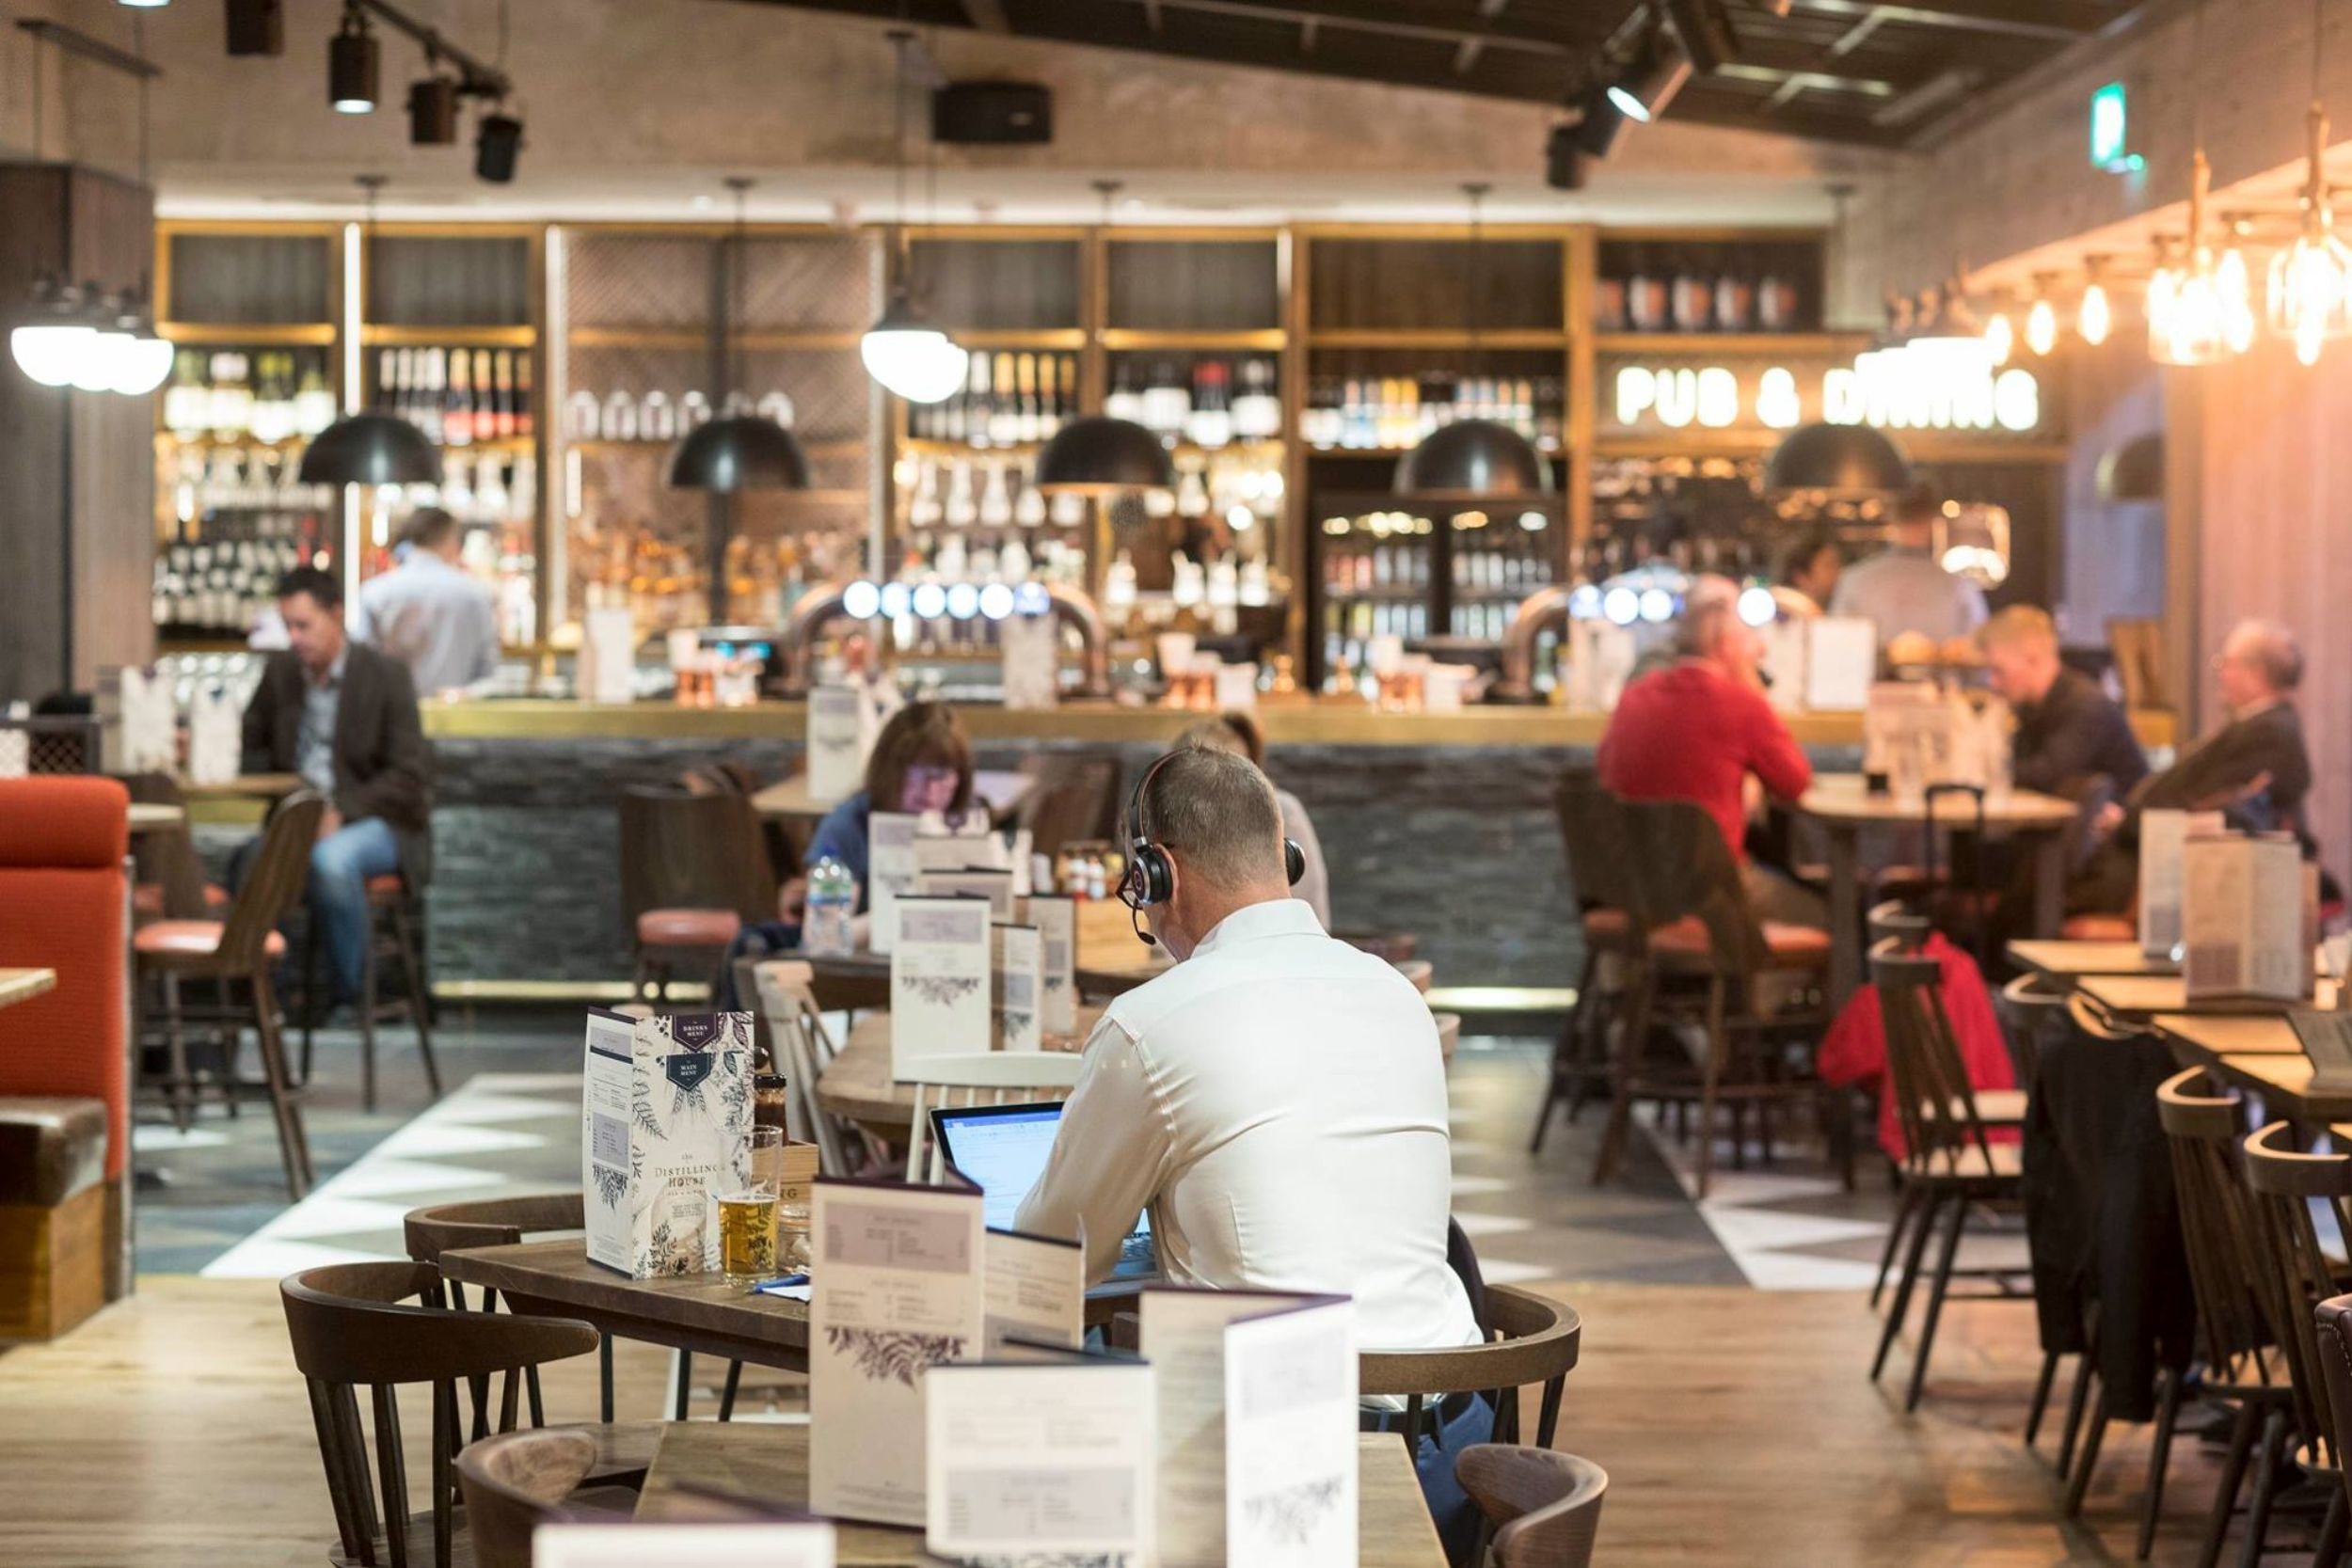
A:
(2057, 958)
(857, 1084)
(22, 985)
(788, 799)
(1846, 808)
(156, 817)
(1110, 958)
(700, 1468)
(2262, 1054)
(245, 786)
(2137, 998)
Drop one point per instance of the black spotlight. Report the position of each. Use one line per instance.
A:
(1705, 31)
(351, 61)
(257, 26)
(1564, 160)
(1651, 79)
(498, 146)
(1596, 131)
(433, 112)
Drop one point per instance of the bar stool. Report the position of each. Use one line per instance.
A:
(393, 924)
(1580, 1057)
(694, 871)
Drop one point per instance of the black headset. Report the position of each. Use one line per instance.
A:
(1151, 877)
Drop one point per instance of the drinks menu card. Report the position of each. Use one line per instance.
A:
(1017, 986)
(840, 731)
(1841, 660)
(890, 871)
(1046, 1460)
(1290, 1437)
(1184, 1338)
(665, 1126)
(1056, 917)
(970, 882)
(1036, 1290)
(897, 1289)
(2249, 917)
(623, 1545)
(940, 970)
(2162, 834)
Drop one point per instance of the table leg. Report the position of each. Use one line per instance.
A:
(1845, 911)
(2049, 884)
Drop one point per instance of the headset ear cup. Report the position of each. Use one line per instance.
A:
(1159, 877)
(1294, 861)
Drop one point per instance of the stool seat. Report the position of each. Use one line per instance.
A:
(688, 928)
(52, 1146)
(1608, 927)
(147, 898)
(2100, 928)
(1786, 946)
(193, 939)
(390, 888)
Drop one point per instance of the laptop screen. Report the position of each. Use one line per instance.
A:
(1004, 1149)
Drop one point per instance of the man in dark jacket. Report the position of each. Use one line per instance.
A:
(344, 717)
(2068, 730)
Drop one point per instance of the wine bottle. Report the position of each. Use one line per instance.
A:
(457, 403)
(486, 401)
(1004, 408)
(1211, 422)
(1124, 402)
(1025, 385)
(977, 408)
(1067, 408)
(525, 421)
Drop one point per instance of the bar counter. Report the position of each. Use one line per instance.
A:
(1435, 823)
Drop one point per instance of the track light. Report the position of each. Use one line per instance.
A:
(144, 4)
(1564, 159)
(1596, 132)
(1651, 80)
(257, 27)
(351, 66)
(498, 146)
(433, 112)
(1705, 31)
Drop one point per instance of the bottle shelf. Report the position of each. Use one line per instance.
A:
(665, 445)
(1438, 339)
(247, 334)
(1730, 342)
(1121, 339)
(701, 339)
(447, 337)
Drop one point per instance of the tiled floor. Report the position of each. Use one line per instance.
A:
(509, 1126)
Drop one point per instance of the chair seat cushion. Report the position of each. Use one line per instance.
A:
(2002, 1162)
(51, 1147)
(688, 928)
(2100, 928)
(147, 898)
(388, 889)
(1787, 947)
(193, 939)
(1607, 927)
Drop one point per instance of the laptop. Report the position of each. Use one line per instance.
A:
(1004, 1149)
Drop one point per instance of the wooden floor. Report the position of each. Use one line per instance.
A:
(1737, 1427)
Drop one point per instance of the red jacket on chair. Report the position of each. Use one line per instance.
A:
(1855, 1051)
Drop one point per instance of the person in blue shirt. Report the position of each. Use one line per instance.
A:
(921, 762)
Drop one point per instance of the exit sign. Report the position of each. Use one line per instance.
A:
(2111, 131)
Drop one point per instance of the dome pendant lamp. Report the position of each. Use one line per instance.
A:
(371, 448)
(1098, 454)
(739, 451)
(912, 358)
(1481, 459)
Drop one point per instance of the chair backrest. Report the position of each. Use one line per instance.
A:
(680, 850)
(516, 1481)
(803, 1048)
(1595, 847)
(1681, 869)
(1073, 799)
(1935, 1102)
(996, 1078)
(2334, 1337)
(2029, 1010)
(1535, 1342)
(1544, 1505)
(351, 1327)
(488, 1222)
(274, 880)
(2292, 1263)
(167, 858)
(2203, 1124)
(1892, 920)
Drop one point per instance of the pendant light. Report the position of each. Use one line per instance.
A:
(2095, 317)
(738, 449)
(912, 358)
(1473, 458)
(2203, 313)
(1840, 461)
(2041, 325)
(1102, 455)
(371, 448)
(2000, 334)
(2308, 279)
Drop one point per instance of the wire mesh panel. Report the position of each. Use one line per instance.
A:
(50, 744)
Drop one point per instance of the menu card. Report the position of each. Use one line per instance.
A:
(1784, 662)
(897, 1289)
(1041, 1460)
(1184, 1338)
(605, 670)
(2249, 917)
(665, 1125)
(940, 969)
(1056, 917)
(890, 871)
(1035, 1290)
(840, 733)
(1841, 660)
(216, 737)
(1032, 649)
(1289, 1436)
(2162, 834)
(138, 720)
(992, 887)
(623, 1544)
(2327, 1041)
(1017, 984)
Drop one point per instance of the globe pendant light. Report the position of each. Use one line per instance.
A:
(56, 337)
(739, 451)
(2307, 280)
(1098, 455)
(370, 447)
(1479, 459)
(912, 358)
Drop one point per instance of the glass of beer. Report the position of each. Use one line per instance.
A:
(747, 1231)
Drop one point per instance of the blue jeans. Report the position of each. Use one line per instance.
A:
(341, 864)
(1450, 1507)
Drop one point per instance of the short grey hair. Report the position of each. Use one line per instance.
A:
(1217, 815)
(1710, 607)
(2274, 651)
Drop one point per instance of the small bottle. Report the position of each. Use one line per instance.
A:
(831, 904)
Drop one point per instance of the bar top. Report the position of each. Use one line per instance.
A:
(1299, 722)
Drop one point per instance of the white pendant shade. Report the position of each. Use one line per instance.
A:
(100, 360)
(142, 368)
(49, 355)
(919, 363)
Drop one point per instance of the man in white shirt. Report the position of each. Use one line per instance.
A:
(1904, 588)
(1278, 1099)
(431, 613)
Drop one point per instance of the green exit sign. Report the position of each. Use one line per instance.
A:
(2111, 131)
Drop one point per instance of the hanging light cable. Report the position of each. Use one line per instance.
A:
(1482, 458)
(2207, 310)
(2308, 303)
(911, 357)
(741, 450)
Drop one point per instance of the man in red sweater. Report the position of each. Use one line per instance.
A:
(1697, 729)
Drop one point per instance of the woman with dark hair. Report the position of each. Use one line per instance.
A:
(1238, 733)
(1809, 568)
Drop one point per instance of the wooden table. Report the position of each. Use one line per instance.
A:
(22, 985)
(245, 786)
(1844, 806)
(153, 816)
(700, 1312)
(2137, 998)
(770, 1462)
(2065, 960)
(788, 802)
(858, 1083)
(1110, 960)
(2258, 1053)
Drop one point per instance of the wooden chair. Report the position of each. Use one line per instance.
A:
(351, 1328)
(1596, 869)
(2335, 1361)
(1702, 935)
(170, 877)
(1951, 1159)
(516, 1481)
(803, 1048)
(995, 1078)
(243, 949)
(2295, 1272)
(395, 933)
(693, 870)
(1074, 797)
(1535, 1343)
(1544, 1506)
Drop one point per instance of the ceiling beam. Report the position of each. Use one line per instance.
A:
(2057, 20)
(1353, 18)
(987, 15)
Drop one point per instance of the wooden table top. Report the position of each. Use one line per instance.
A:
(1842, 798)
(1003, 793)
(22, 985)
(858, 1083)
(245, 786)
(697, 1312)
(2144, 996)
(2224, 1034)
(2257, 1054)
(2065, 960)
(770, 1462)
(151, 816)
